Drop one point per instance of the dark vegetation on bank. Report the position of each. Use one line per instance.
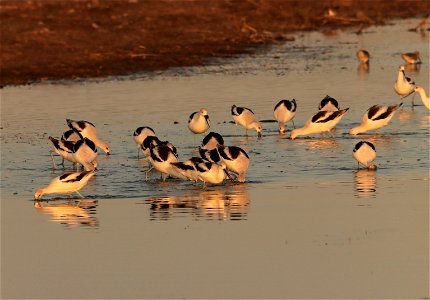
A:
(54, 39)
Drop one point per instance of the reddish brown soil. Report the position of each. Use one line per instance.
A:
(54, 39)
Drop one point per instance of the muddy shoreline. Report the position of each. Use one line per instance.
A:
(50, 39)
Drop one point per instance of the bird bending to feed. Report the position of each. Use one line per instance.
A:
(211, 172)
(284, 112)
(236, 160)
(376, 117)
(322, 121)
(363, 56)
(188, 169)
(424, 98)
(64, 149)
(328, 104)
(212, 140)
(66, 184)
(161, 158)
(71, 136)
(412, 58)
(140, 134)
(246, 117)
(85, 153)
(364, 152)
(403, 86)
(199, 121)
(210, 155)
(88, 130)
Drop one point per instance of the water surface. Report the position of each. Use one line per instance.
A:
(306, 224)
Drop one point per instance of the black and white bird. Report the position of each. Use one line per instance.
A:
(161, 157)
(364, 152)
(328, 104)
(322, 121)
(424, 98)
(85, 153)
(412, 57)
(88, 130)
(403, 86)
(246, 117)
(210, 155)
(363, 56)
(211, 172)
(140, 134)
(236, 160)
(188, 168)
(71, 136)
(375, 117)
(212, 140)
(284, 112)
(66, 184)
(199, 121)
(64, 149)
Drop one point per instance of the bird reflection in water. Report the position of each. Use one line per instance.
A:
(320, 143)
(413, 68)
(70, 213)
(220, 203)
(365, 183)
(363, 70)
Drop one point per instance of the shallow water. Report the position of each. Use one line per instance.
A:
(306, 224)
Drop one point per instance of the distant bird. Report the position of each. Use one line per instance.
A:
(284, 112)
(199, 121)
(85, 153)
(424, 98)
(403, 86)
(236, 160)
(66, 184)
(140, 134)
(161, 158)
(376, 117)
(363, 56)
(364, 152)
(323, 121)
(212, 140)
(211, 172)
(412, 58)
(328, 104)
(88, 130)
(246, 117)
(64, 149)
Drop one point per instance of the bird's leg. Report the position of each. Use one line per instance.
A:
(77, 192)
(138, 150)
(53, 160)
(146, 173)
(294, 126)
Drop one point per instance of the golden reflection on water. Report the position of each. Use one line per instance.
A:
(365, 183)
(316, 143)
(363, 70)
(71, 213)
(425, 122)
(220, 203)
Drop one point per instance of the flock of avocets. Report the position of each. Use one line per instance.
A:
(217, 161)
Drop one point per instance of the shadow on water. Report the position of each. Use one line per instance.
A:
(219, 203)
(71, 213)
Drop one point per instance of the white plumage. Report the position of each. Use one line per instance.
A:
(364, 152)
(424, 98)
(285, 111)
(199, 121)
(246, 117)
(236, 160)
(376, 117)
(403, 86)
(88, 130)
(66, 184)
(323, 121)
